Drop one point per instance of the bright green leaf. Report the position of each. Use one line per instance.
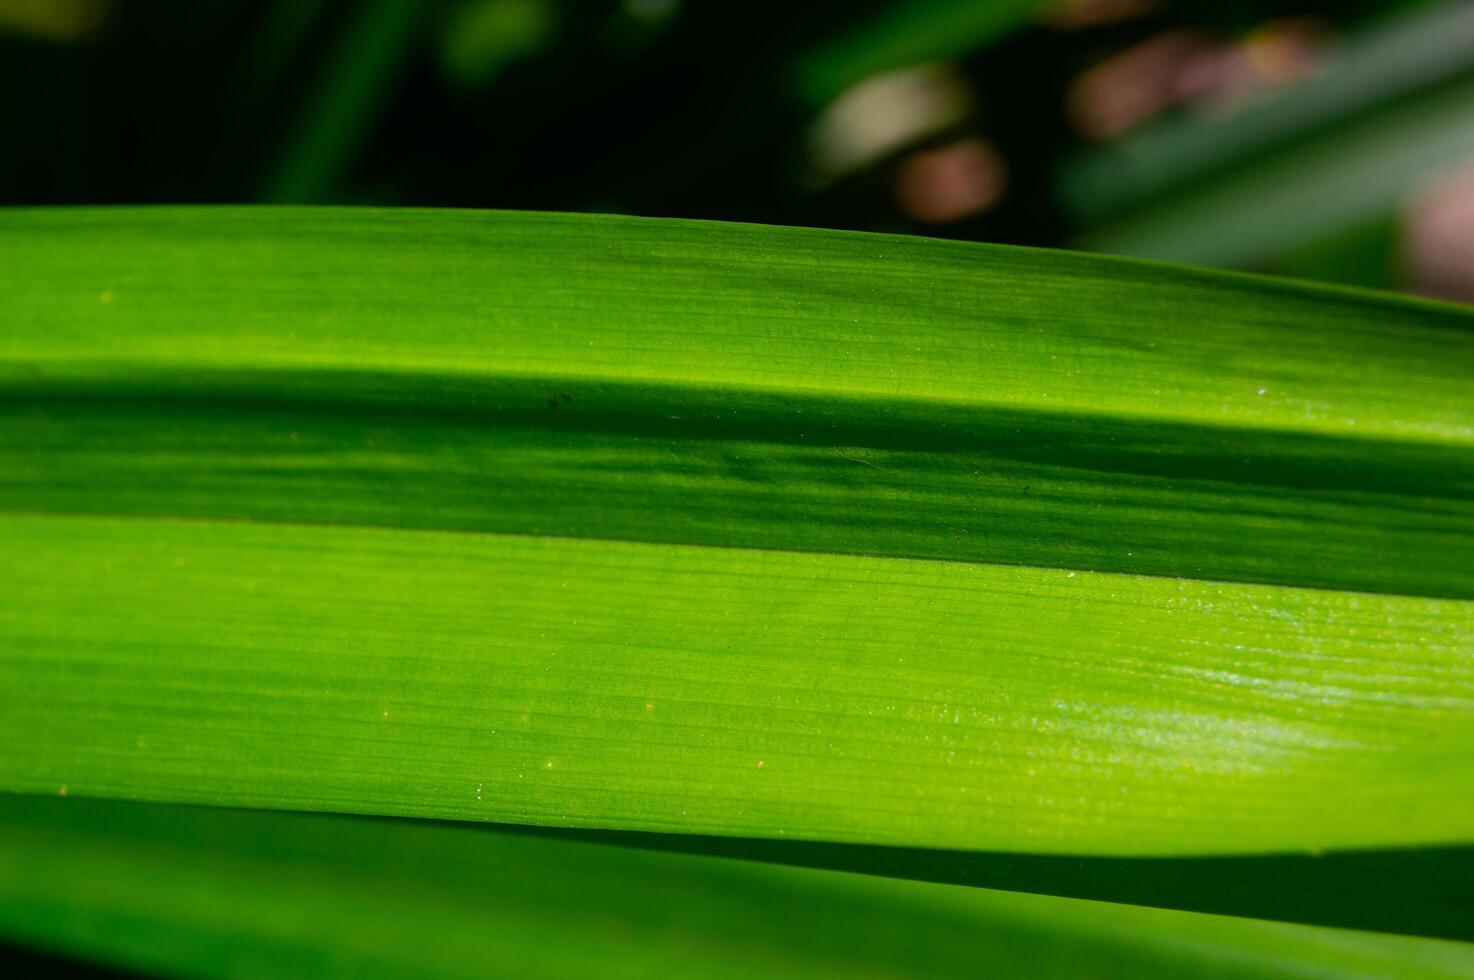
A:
(734, 385)
(761, 693)
(924, 543)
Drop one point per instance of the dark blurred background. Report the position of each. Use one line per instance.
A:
(1330, 140)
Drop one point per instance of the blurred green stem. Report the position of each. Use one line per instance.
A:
(334, 119)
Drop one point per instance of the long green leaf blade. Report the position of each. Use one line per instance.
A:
(658, 687)
(221, 893)
(771, 420)
(733, 385)
(1425, 891)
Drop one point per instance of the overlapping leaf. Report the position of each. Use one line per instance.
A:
(716, 529)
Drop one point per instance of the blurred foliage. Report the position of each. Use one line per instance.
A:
(1261, 134)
